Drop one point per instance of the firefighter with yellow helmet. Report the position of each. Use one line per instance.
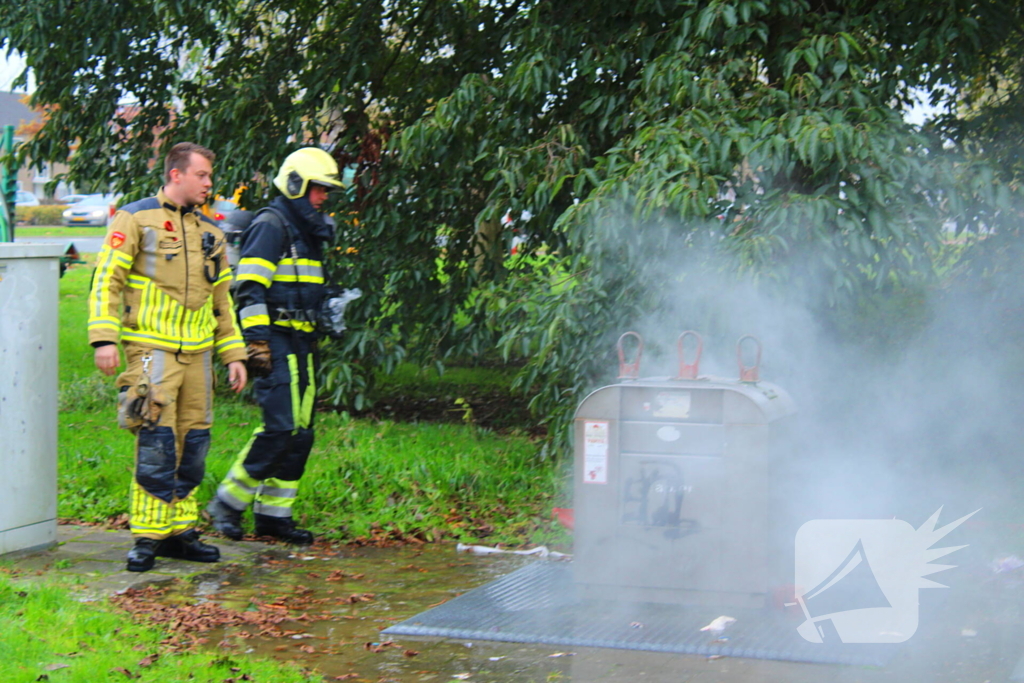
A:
(161, 289)
(279, 291)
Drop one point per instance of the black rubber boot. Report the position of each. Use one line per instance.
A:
(282, 528)
(142, 556)
(226, 519)
(187, 546)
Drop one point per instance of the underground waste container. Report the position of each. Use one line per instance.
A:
(671, 486)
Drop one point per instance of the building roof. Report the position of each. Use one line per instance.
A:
(13, 112)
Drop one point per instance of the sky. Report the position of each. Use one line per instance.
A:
(10, 67)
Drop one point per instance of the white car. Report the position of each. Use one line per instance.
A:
(23, 198)
(94, 210)
(72, 198)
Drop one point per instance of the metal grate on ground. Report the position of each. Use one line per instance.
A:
(538, 604)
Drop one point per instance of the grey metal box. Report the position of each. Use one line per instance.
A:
(29, 285)
(671, 490)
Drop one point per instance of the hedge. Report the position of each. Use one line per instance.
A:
(39, 215)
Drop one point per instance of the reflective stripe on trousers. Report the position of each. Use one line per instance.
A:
(267, 471)
(170, 457)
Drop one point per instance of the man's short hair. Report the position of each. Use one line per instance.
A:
(180, 156)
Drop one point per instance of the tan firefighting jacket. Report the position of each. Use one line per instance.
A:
(152, 282)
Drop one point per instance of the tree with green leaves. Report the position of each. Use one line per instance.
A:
(768, 133)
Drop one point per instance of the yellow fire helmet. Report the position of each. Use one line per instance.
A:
(305, 166)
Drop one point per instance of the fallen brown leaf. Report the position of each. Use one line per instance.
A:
(379, 647)
(118, 521)
(148, 660)
(185, 622)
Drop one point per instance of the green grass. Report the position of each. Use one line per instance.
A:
(48, 634)
(364, 478)
(58, 231)
(431, 480)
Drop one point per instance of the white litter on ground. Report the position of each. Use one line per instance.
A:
(539, 551)
(719, 624)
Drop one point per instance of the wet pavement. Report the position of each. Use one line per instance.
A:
(338, 599)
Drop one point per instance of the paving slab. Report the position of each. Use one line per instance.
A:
(97, 557)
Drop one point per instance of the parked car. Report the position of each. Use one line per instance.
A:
(93, 210)
(72, 198)
(23, 198)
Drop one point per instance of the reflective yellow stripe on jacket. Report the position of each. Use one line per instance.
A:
(255, 269)
(167, 323)
(102, 312)
(299, 270)
(300, 325)
(266, 273)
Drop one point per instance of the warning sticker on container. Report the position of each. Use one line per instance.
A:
(672, 404)
(595, 452)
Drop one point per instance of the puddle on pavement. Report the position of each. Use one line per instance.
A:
(351, 594)
(361, 591)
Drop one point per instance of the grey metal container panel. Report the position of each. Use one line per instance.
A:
(683, 513)
(758, 403)
(603, 403)
(29, 283)
(741, 402)
(672, 403)
(677, 439)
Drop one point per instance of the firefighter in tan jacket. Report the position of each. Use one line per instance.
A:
(161, 289)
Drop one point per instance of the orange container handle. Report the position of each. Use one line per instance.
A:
(630, 370)
(749, 373)
(689, 370)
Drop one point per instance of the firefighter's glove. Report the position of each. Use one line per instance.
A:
(259, 358)
(141, 405)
